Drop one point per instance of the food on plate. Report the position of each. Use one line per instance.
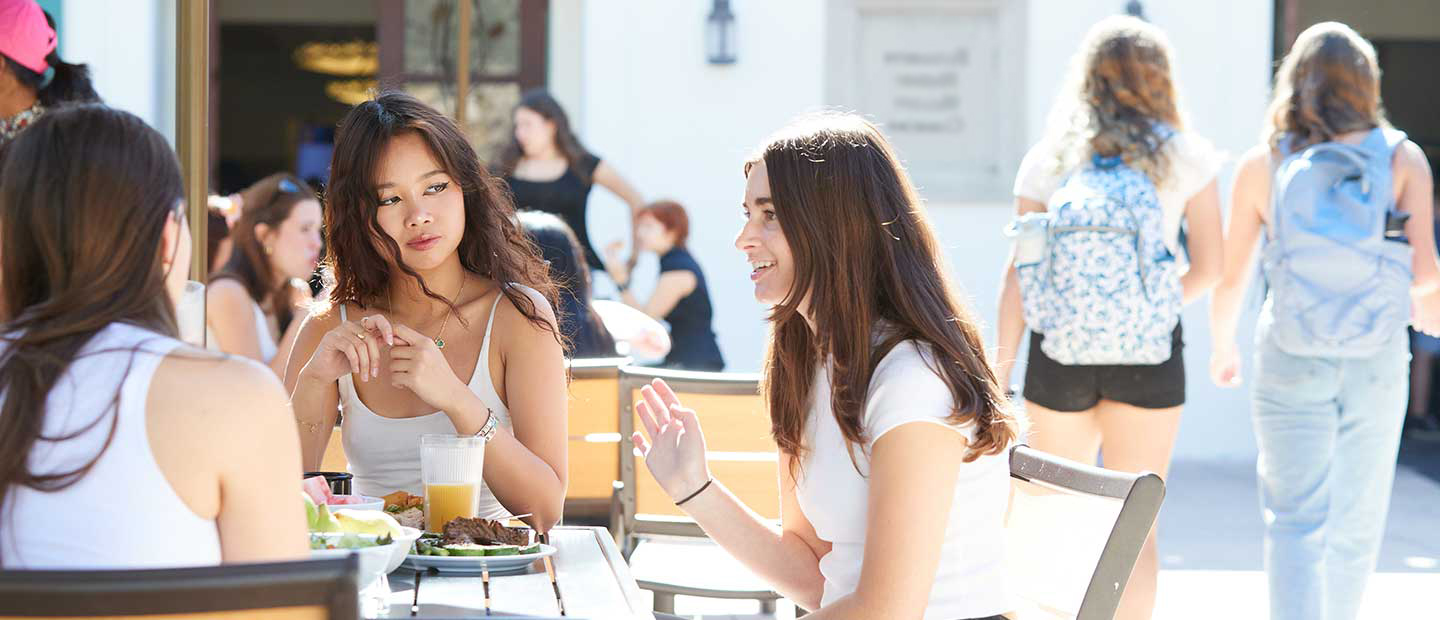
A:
(476, 537)
(480, 531)
(312, 512)
(324, 521)
(368, 522)
(406, 508)
(347, 541)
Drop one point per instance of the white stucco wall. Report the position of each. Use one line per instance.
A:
(130, 48)
(679, 128)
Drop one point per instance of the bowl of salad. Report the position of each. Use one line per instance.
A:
(375, 552)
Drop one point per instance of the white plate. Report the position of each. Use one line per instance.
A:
(475, 564)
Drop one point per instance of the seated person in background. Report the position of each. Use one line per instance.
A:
(561, 250)
(681, 297)
(217, 238)
(594, 328)
(251, 300)
(121, 447)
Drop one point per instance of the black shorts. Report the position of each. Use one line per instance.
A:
(1059, 387)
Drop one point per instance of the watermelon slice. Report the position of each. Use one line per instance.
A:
(318, 490)
(345, 500)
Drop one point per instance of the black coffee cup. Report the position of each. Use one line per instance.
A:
(338, 481)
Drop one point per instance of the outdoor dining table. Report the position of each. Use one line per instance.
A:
(586, 578)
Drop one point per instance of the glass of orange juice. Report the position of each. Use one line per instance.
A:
(450, 468)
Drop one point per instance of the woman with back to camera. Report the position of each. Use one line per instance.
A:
(548, 169)
(252, 300)
(1105, 369)
(121, 447)
(440, 319)
(1344, 202)
(33, 79)
(882, 402)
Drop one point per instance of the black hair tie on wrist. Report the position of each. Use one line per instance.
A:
(692, 495)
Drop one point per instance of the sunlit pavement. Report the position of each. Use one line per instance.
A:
(1210, 542)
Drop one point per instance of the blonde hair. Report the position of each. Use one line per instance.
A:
(1118, 92)
(1329, 84)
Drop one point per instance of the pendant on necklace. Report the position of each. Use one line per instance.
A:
(439, 343)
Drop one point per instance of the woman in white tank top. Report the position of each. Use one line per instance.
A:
(251, 299)
(439, 319)
(120, 447)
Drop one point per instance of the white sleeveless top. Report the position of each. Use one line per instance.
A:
(384, 453)
(268, 347)
(123, 513)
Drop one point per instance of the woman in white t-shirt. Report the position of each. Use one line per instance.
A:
(883, 404)
(1120, 102)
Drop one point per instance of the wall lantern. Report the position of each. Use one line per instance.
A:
(720, 34)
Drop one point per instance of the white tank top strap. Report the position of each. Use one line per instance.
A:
(127, 500)
(484, 364)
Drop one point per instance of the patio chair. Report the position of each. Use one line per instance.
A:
(334, 459)
(669, 554)
(594, 436)
(308, 590)
(1073, 533)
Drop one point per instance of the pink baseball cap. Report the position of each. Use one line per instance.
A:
(25, 36)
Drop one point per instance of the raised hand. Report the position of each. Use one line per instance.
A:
(416, 364)
(673, 445)
(352, 347)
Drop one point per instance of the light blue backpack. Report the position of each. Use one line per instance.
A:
(1103, 288)
(1337, 286)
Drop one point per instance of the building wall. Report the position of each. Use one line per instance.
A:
(130, 48)
(680, 128)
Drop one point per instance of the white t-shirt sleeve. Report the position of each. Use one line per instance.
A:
(1037, 177)
(905, 389)
(1194, 163)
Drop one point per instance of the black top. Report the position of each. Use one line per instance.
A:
(566, 197)
(692, 341)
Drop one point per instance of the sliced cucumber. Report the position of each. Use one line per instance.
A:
(502, 550)
(465, 550)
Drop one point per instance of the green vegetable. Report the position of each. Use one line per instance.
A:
(502, 550)
(440, 551)
(535, 548)
(465, 550)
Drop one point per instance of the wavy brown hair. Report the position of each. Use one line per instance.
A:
(541, 102)
(359, 253)
(865, 255)
(1119, 90)
(84, 200)
(1329, 84)
(269, 201)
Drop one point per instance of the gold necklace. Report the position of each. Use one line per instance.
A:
(439, 339)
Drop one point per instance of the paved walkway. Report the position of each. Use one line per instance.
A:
(1211, 538)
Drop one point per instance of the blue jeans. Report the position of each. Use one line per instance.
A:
(1329, 432)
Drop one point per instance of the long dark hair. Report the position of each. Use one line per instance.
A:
(492, 246)
(561, 250)
(864, 253)
(269, 201)
(540, 102)
(83, 205)
(69, 83)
